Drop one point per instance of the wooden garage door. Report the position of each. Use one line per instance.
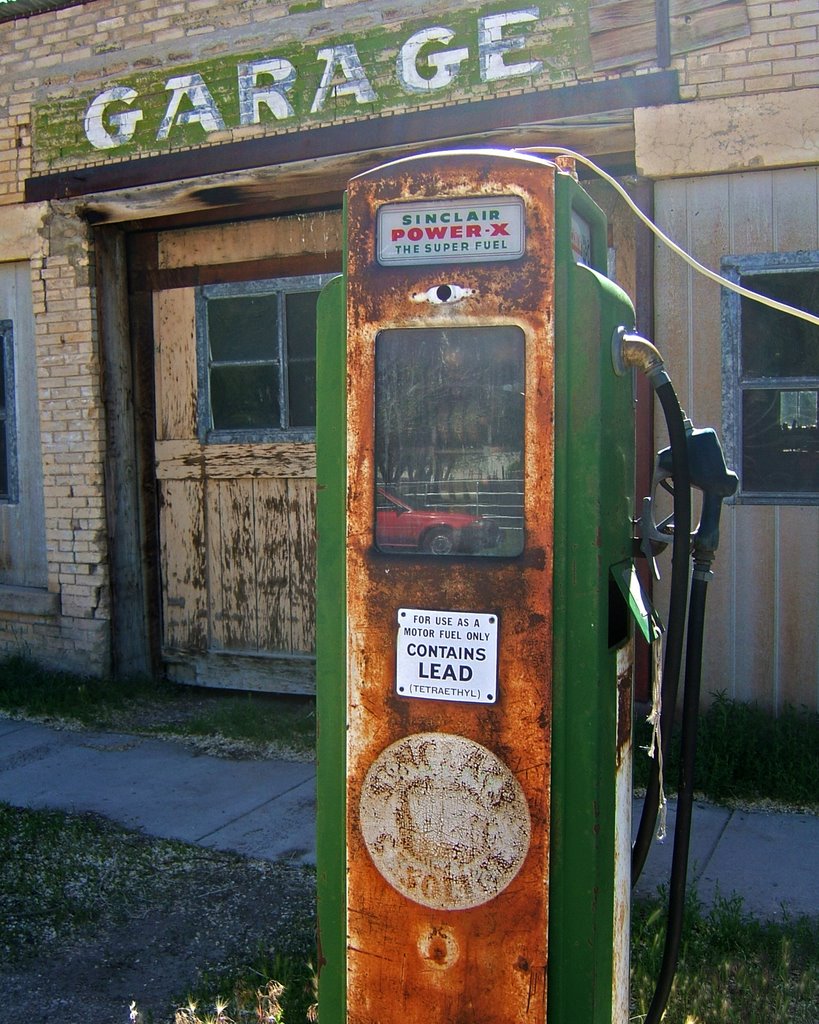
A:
(235, 464)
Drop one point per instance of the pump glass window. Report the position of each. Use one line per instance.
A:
(257, 359)
(449, 440)
(774, 357)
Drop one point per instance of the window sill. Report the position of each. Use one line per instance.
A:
(28, 601)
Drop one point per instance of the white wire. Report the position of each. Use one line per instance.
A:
(699, 267)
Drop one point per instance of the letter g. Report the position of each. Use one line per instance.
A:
(123, 122)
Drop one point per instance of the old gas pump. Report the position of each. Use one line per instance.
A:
(475, 590)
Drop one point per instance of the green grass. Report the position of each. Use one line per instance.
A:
(257, 719)
(257, 722)
(66, 879)
(29, 689)
(63, 874)
(733, 969)
(744, 754)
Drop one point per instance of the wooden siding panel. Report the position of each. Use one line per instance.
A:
(624, 33)
(302, 501)
(762, 633)
(238, 522)
(233, 576)
(274, 568)
(175, 362)
(251, 240)
(188, 459)
(263, 672)
(756, 570)
(214, 541)
(796, 226)
(708, 215)
(755, 638)
(671, 275)
(183, 560)
(708, 224)
(751, 207)
(696, 24)
(798, 612)
(795, 209)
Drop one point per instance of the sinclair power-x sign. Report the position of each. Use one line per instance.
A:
(437, 232)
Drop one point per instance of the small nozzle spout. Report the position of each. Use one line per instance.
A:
(632, 351)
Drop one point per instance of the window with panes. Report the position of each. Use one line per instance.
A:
(771, 382)
(256, 345)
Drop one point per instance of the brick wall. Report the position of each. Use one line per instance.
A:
(781, 53)
(54, 56)
(70, 626)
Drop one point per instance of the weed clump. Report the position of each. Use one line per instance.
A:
(732, 967)
(746, 754)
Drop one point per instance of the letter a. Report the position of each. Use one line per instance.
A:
(344, 60)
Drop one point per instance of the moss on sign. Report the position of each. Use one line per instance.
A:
(465, 55)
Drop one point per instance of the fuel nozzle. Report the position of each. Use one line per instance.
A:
(710, 475)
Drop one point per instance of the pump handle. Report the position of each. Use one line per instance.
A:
(709, 474)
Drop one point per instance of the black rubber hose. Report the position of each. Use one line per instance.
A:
(685, 795)
(675, 632)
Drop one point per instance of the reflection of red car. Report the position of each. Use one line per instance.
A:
(400, 526)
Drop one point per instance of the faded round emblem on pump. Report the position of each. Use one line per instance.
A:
(445, 820)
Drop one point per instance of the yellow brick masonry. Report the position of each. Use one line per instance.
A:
(73, 444)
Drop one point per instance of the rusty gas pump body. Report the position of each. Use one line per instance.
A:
(470, 846)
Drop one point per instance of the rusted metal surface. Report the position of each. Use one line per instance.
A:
(445, 821)
(622, 836)
(625, 678)
(460, 774)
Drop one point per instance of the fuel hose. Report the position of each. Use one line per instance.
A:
(633, 351)
(685, 793)
(675, 630)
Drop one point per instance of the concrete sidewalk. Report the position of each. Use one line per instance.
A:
(262, 809)
(266, 809)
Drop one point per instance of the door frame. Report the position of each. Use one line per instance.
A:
(128, 272)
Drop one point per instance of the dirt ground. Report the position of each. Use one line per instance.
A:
(151, 952)
(179, 913)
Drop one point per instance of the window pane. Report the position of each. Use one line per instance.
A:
(4, 462)
(2, 372)
(244, 397)
(780, 441)
(300, 313)
(243, 328)
(301, 385)
(777, 344)
(449, 440)
(300, 317)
